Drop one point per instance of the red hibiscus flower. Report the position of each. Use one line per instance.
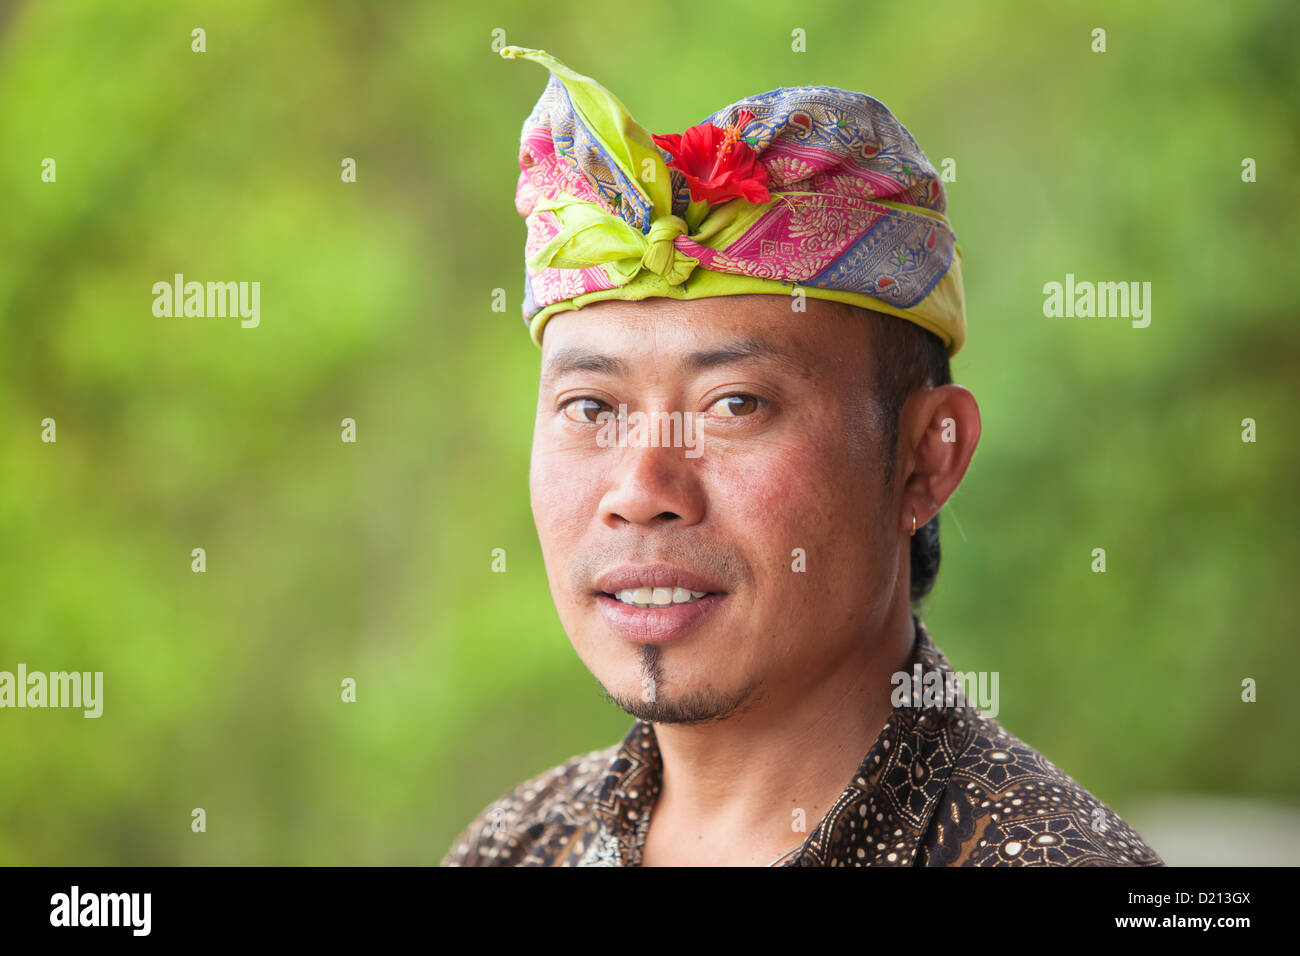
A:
(717, 163)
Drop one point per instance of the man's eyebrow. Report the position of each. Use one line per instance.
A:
(740, 350)
(579, 359)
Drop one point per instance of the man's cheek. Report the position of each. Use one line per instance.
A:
(770, 496)
(553, 482)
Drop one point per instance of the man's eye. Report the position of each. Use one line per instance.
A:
(736, 406)
(585, 410)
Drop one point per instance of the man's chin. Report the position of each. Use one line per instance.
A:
(702, 706)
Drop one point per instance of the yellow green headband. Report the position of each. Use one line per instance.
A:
(809, 188)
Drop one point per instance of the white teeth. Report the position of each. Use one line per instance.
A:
(658, 597)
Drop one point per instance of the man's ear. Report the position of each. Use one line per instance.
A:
(939, 430)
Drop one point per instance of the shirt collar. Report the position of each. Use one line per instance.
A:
(879, 818)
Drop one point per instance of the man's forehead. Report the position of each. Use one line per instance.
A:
(619, 337)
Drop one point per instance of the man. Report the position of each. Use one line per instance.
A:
(745, 430)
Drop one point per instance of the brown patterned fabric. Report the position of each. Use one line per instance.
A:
(941, 786)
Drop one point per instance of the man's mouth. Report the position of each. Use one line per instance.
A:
(657, 597)
(658, 602)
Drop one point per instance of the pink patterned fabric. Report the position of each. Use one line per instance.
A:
(856, 207)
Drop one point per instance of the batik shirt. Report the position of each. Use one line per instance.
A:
(943, 785)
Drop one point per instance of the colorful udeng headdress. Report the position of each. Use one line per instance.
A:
(814, 188)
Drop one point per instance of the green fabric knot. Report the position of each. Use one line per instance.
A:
(661, 256)
(589, 236)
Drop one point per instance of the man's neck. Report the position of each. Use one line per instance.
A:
(735, 792)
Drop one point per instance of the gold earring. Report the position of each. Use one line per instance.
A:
(913, 523)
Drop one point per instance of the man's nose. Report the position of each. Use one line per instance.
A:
(653, 485)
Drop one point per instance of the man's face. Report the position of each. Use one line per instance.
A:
(779, 514)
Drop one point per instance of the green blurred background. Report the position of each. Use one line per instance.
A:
(372, 560)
